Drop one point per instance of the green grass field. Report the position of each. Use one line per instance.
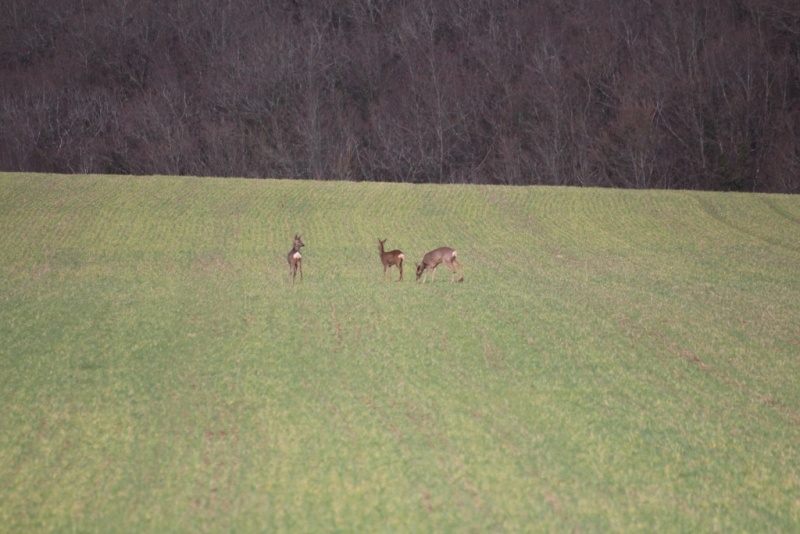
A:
(614, 361)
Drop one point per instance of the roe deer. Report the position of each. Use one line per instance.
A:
(295, 259)
(394, 257)
(432, 260)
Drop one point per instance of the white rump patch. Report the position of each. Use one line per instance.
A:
(402, 256)
(297, 256)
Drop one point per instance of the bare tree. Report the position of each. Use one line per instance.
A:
(593, 92)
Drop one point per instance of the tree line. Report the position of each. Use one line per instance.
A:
(697, 94)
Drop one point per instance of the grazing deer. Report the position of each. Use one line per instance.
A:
(295, 259)
(432, 260)
(394, 257)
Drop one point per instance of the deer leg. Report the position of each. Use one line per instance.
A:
(460, 268)
(300, 266)
(452, 270)
(400, 266)
(452, 265)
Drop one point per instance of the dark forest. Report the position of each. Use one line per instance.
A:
(690, 94)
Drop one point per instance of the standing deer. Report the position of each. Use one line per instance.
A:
(295, 259)
(432, 260)
(394, 257)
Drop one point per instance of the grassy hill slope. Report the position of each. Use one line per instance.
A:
(614, 360)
